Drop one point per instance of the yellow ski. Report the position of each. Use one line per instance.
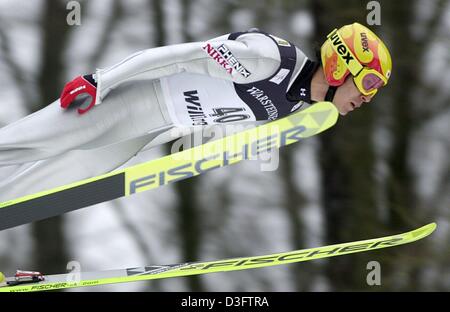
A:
(171, 168)
(25, 281)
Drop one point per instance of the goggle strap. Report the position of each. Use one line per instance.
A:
(352, 63)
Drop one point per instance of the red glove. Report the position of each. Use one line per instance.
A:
(80, 85)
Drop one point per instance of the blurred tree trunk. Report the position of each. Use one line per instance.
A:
(50, 246)
(399, 184)
(185, 19)
(293, 203)
(347, 165)
(187, 204)
(401, 197)
(409, 50)
(294, 200)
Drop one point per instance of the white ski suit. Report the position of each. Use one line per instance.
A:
(233, 78)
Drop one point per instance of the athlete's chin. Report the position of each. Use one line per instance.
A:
(347, 109)
(344, 109)
(343, 112)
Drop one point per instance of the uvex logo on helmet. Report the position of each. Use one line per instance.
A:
(341, 48)
(364, 42)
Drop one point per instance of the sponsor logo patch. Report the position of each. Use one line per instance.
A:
(281, 42)
(194, 108)
(269, 106)
(223, 56)
(280, 76)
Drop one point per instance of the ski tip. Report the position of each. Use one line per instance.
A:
(2, 277)
(424, 231)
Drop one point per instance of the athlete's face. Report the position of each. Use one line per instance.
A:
(347, 97)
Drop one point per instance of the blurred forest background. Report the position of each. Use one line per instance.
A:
(382, 170)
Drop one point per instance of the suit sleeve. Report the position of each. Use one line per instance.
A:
(256, 52)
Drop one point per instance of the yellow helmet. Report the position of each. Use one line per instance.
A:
(356, 49)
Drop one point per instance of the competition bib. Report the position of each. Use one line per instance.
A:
(194, 99)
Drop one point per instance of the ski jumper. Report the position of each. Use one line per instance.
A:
(238, 77)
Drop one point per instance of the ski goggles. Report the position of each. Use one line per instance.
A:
(367, 80)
